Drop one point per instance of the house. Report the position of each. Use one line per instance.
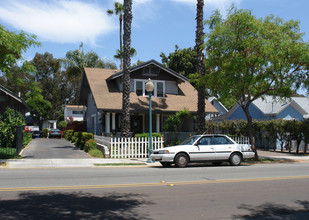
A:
(222, 110)
(268, 108)
(101, 93)
(10, 100)
(75, 112)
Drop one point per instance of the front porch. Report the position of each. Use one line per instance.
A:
(110, 123)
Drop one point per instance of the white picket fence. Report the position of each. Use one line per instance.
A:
(241, 140)
(133, 147)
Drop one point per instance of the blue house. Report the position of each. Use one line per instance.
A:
(269, 107)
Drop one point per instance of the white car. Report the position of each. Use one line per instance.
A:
(214, 148)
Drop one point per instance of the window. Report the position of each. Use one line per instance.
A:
(221, 140)
(205, 141)
(77, 112)
(151, 71)
(140, 88)
(160, 90)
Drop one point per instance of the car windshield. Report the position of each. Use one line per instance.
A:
(190, 140)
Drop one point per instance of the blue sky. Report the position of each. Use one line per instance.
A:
(158, 25)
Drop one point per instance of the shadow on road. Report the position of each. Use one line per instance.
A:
(275, 211)
(77, 205)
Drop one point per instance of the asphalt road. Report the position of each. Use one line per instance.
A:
(272, 191)
(51, 148)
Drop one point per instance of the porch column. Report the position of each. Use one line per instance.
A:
(158, 123)
(113, 121)
(107, 122)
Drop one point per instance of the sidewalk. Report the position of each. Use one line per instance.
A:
(95, 162)
(58, 163)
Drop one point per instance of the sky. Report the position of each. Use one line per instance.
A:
(157, 26)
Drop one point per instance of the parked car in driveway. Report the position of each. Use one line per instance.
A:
(36, 134)
(214, 148)
(53, 133)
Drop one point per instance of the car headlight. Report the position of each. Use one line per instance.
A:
(163, 152)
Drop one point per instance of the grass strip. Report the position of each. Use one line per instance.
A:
(119, 164)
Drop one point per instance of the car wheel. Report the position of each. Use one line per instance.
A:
(181, 160)
(166, 164)
(235, 159)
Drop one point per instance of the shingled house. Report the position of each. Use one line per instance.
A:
(9, 100)
(101, 93)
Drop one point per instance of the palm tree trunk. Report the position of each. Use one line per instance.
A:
(120, 23)
(200, 65)
(126, 65)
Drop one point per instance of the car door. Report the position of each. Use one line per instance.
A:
(205, 150)
(223, 147)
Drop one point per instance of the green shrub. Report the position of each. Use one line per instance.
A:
(68, 134)
(27, 137)
(77, 139)
(146, 135)
(90, 145)
(62, 124)
(95, 153)
(45, 132)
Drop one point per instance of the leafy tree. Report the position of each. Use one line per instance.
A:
(18, 81)
(126, 65)
(75, 61)
(182, 61)
(53, 81)
(174, 123)
(200, 67)
(12, 45)
(39, 106)
(250, 57)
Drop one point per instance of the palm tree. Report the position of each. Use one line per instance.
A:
(200, 66)
(126, 65)
(75, 61)
(118, 10)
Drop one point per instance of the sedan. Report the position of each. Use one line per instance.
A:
(214, 148)
(54, 133)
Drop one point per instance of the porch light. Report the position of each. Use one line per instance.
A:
(149, 89)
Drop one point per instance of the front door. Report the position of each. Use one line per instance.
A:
(136, 124)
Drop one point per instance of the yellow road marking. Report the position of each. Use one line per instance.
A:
(44, 188)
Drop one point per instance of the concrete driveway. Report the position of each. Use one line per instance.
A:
(47, 148)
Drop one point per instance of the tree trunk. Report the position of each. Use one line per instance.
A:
(120, 23)
(200, 65)
(126, 74)
(250, 130)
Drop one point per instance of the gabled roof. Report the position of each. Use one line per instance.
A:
(151, 62)
(107, 98)
(271, 106)
(13, 96)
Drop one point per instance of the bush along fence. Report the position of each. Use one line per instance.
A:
(271, 134)
(84, 141)
(135, 147)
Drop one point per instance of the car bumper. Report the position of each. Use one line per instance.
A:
(248, 155)
(162, 157)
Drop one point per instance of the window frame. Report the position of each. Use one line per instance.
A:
(155, 82)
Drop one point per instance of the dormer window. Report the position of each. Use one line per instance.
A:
(140, 88)
(151, 71)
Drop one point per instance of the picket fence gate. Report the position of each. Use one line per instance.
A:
(241, 140)
(134, 147)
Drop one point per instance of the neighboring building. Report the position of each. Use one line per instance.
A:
(101, 92)
(222, 110)
(76, 112)
(10, 100)
(294, 108)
